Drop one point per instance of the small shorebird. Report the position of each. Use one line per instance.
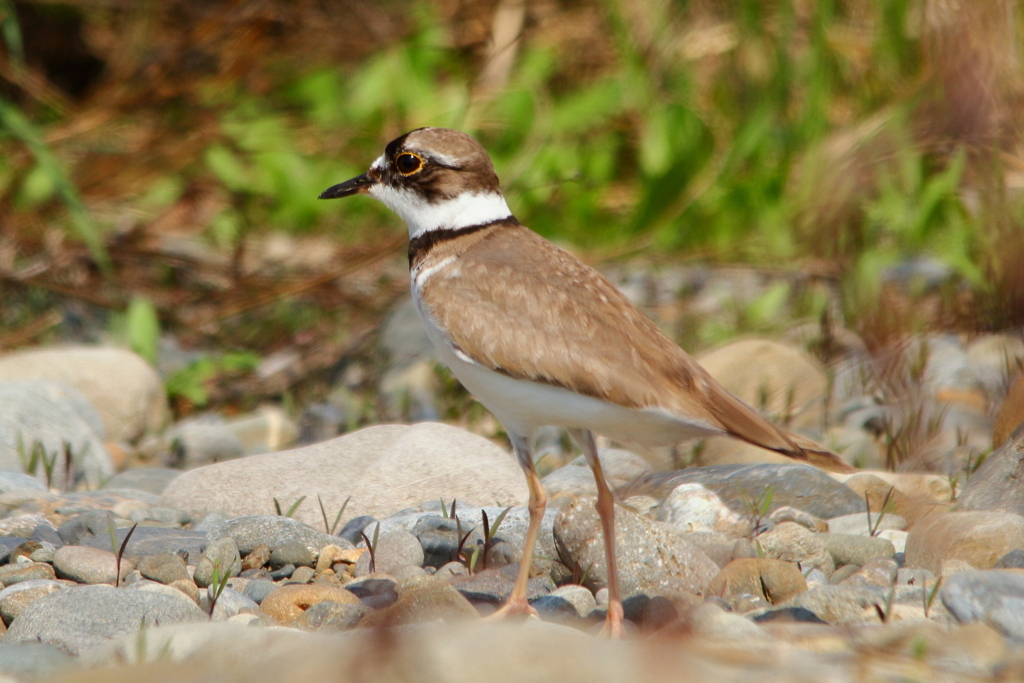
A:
(541, 338)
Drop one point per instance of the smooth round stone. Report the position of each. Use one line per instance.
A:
(424, 600)
(302, 575)
(14, 599)
(9, 545)
(89, 565)
(12, 574)
(694, 508)
(773, 580)
(853, 549)
(20, 525)
(566, 602)
(653, 557)
(993, 597)
(257, 559)
(33, 660)
(840, 604)
(12, 481)
(977, 538)
(165, 568)
(287, 602)
(292, 552)
(793, 543)
(878, 571)
(354, 527)
(394, 550)
(230, 603)
(77, 619)
(804, 519)
(330, 616)
(221, 555)
(258, 589)
(1011, 560)
(151, 479)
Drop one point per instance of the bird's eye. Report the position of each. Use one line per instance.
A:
(408, 163)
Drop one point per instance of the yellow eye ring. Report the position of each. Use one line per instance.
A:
(408, 163)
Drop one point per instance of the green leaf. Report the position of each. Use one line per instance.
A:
(143, 328)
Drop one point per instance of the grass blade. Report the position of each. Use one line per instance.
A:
(120, 553)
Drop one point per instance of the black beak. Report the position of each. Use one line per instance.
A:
(358, 185)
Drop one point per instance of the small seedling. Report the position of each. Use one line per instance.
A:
(291, 510)
(491, 531)
(757, 510)
(888, 505)
(371, 547)
(579, 578)
(217, 585)
(330, 528)
(459, 554)
(929, 596)
(884, 614)
(120, 552)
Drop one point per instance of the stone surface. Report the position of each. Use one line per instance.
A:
(289, 601)
(1011, 414)
(692, 507)
(89, 565)
(18, 572)
(12, 481)
(230, 603)
(993, 597)
(712, 622)
(804, 519)
(858, 524)
(493, 586)
(383, 468)
(14, 599)
(878, 571)
(165, 568)
(653, 557)
(151, 479)
(795, 485)
(566, 602)
(840, 604)
(272, 530)
(620, 467)
(126, 392)
(394, 550)
(425, 599)
(77, 619)
(793, 543)
(220, 554)
(295, 553)
(852, 549)
(774, 580)
(33, 660)
(995, 485)
(50, 414)
(201, 441)
(977, 538)
(330, 616)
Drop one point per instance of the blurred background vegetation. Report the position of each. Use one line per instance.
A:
(155, 155)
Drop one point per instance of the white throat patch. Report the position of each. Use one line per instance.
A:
(468, 208)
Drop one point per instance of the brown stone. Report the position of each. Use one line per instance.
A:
(257, 559)
(977, 538)
(426, 598)
(1011, 414)
(773, 580)
(287, 602)
(25, 571)
(909, 507)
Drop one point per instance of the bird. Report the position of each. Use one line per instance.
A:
(542, 339)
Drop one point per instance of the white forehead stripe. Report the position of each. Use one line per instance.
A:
(468, 208)
(379, 164)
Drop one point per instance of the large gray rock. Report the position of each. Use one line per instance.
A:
(33, 660)
(383, 468)
(78, 619)
(50, 414)
(126, 392)
(576, 479)
(654, 558)
(273, 531)
(11, 481)
(994, 597)
(978, 538)
(801, 486)
(151, 479)
(996, 484)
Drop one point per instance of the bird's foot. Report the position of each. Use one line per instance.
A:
(514, 607)
(612, 622)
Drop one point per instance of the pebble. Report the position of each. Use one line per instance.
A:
(287, 602)
(694, 508)
(14, 599)
(258, 557)
(797, 516)
(383, 468)
(773, 580)
(712, 622)
(12, 574)
(838, 604)
(165, 568)
(292, 552)
(330, 616)
(302, 575)
(853, 549)
(221, 554)
(566, 602)
(89, 565)
(426, 599)
(230, 603)
(258, 590)
(793, 543)
(77, 619)
(653, 557)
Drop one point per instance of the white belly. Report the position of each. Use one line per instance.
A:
(523, 406)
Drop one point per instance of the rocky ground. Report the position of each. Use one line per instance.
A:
(373, 555)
